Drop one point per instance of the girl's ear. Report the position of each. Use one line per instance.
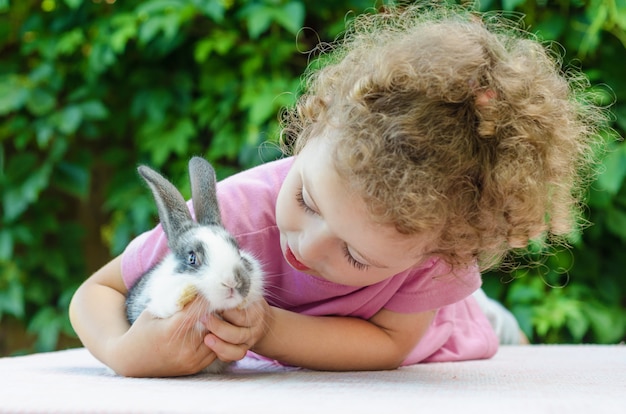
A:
(485, 102)
(484, 98)
(204, 192)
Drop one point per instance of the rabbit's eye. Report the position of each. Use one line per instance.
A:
(191, 259)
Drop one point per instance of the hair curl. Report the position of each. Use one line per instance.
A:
(454, 122)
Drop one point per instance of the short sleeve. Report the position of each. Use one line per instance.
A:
(142, 254)
(433, 286)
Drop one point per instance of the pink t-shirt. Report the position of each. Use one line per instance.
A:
(248, 202)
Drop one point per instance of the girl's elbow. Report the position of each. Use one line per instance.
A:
(397, 362)
(394, 360)
(399, 356)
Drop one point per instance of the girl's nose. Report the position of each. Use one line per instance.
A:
(315, 243)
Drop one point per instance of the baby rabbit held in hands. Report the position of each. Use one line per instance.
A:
(204, 258)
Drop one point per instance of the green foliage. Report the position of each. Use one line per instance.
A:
(91, 88)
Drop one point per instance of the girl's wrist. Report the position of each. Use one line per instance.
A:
(121, 356)
(113, 356)
(262, 344)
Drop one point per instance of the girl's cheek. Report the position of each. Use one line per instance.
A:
(286, 213)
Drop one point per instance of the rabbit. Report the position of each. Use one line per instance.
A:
(204, 258)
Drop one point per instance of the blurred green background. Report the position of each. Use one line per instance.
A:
(91, 88)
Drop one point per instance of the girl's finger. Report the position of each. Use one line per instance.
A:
(226, 331)
(225, 351)
(237, 317)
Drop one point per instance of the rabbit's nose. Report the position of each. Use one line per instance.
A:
(231, 288)
(242, 283)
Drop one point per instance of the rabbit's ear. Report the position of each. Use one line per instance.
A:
(203, 192)
(173, 212)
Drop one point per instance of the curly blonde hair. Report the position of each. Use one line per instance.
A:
(454, 123)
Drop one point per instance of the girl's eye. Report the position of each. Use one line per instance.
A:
(303, 204)
(355, 263)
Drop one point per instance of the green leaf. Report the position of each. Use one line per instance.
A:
(620, 115)
(616, 222)
(597, 17)
(161, 143)
(42, 73)
(619, 14)
(614, 170)
(521, 293)
(73, 179)
(74, 4)
(203, 49)
(578, 325)
(17, 198)
(153, 7)
(94, 110)
(225, 143)
(123, 29)
(68, 119)
(40, 102)
(30, 178)
(291, 16)
(259, 97)
(13, 94)
(607, 324)
(70, 41)
(6, 245)
(149, 29)
(100, 58)
(46, 324)
(44, 132)
(12, 296)
(599, 199)
(212, 8)
(510, 5)
(551, 27)
(258, 19)
(524, 316)
(221, 42)
(168, 24)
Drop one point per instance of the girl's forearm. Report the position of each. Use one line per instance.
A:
(330, 343)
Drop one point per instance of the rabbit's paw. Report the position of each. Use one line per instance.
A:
(188, 293)
(169, 298)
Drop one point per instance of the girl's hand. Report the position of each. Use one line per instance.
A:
(154, 347)
(238, 330)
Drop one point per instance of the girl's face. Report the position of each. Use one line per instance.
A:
(326, 231)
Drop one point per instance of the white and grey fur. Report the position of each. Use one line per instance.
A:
(202, 254)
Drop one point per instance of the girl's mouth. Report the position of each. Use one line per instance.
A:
(295, 263)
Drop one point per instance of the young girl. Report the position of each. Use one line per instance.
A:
(432, 144)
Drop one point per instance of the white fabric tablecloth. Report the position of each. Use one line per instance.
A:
(535, 379)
